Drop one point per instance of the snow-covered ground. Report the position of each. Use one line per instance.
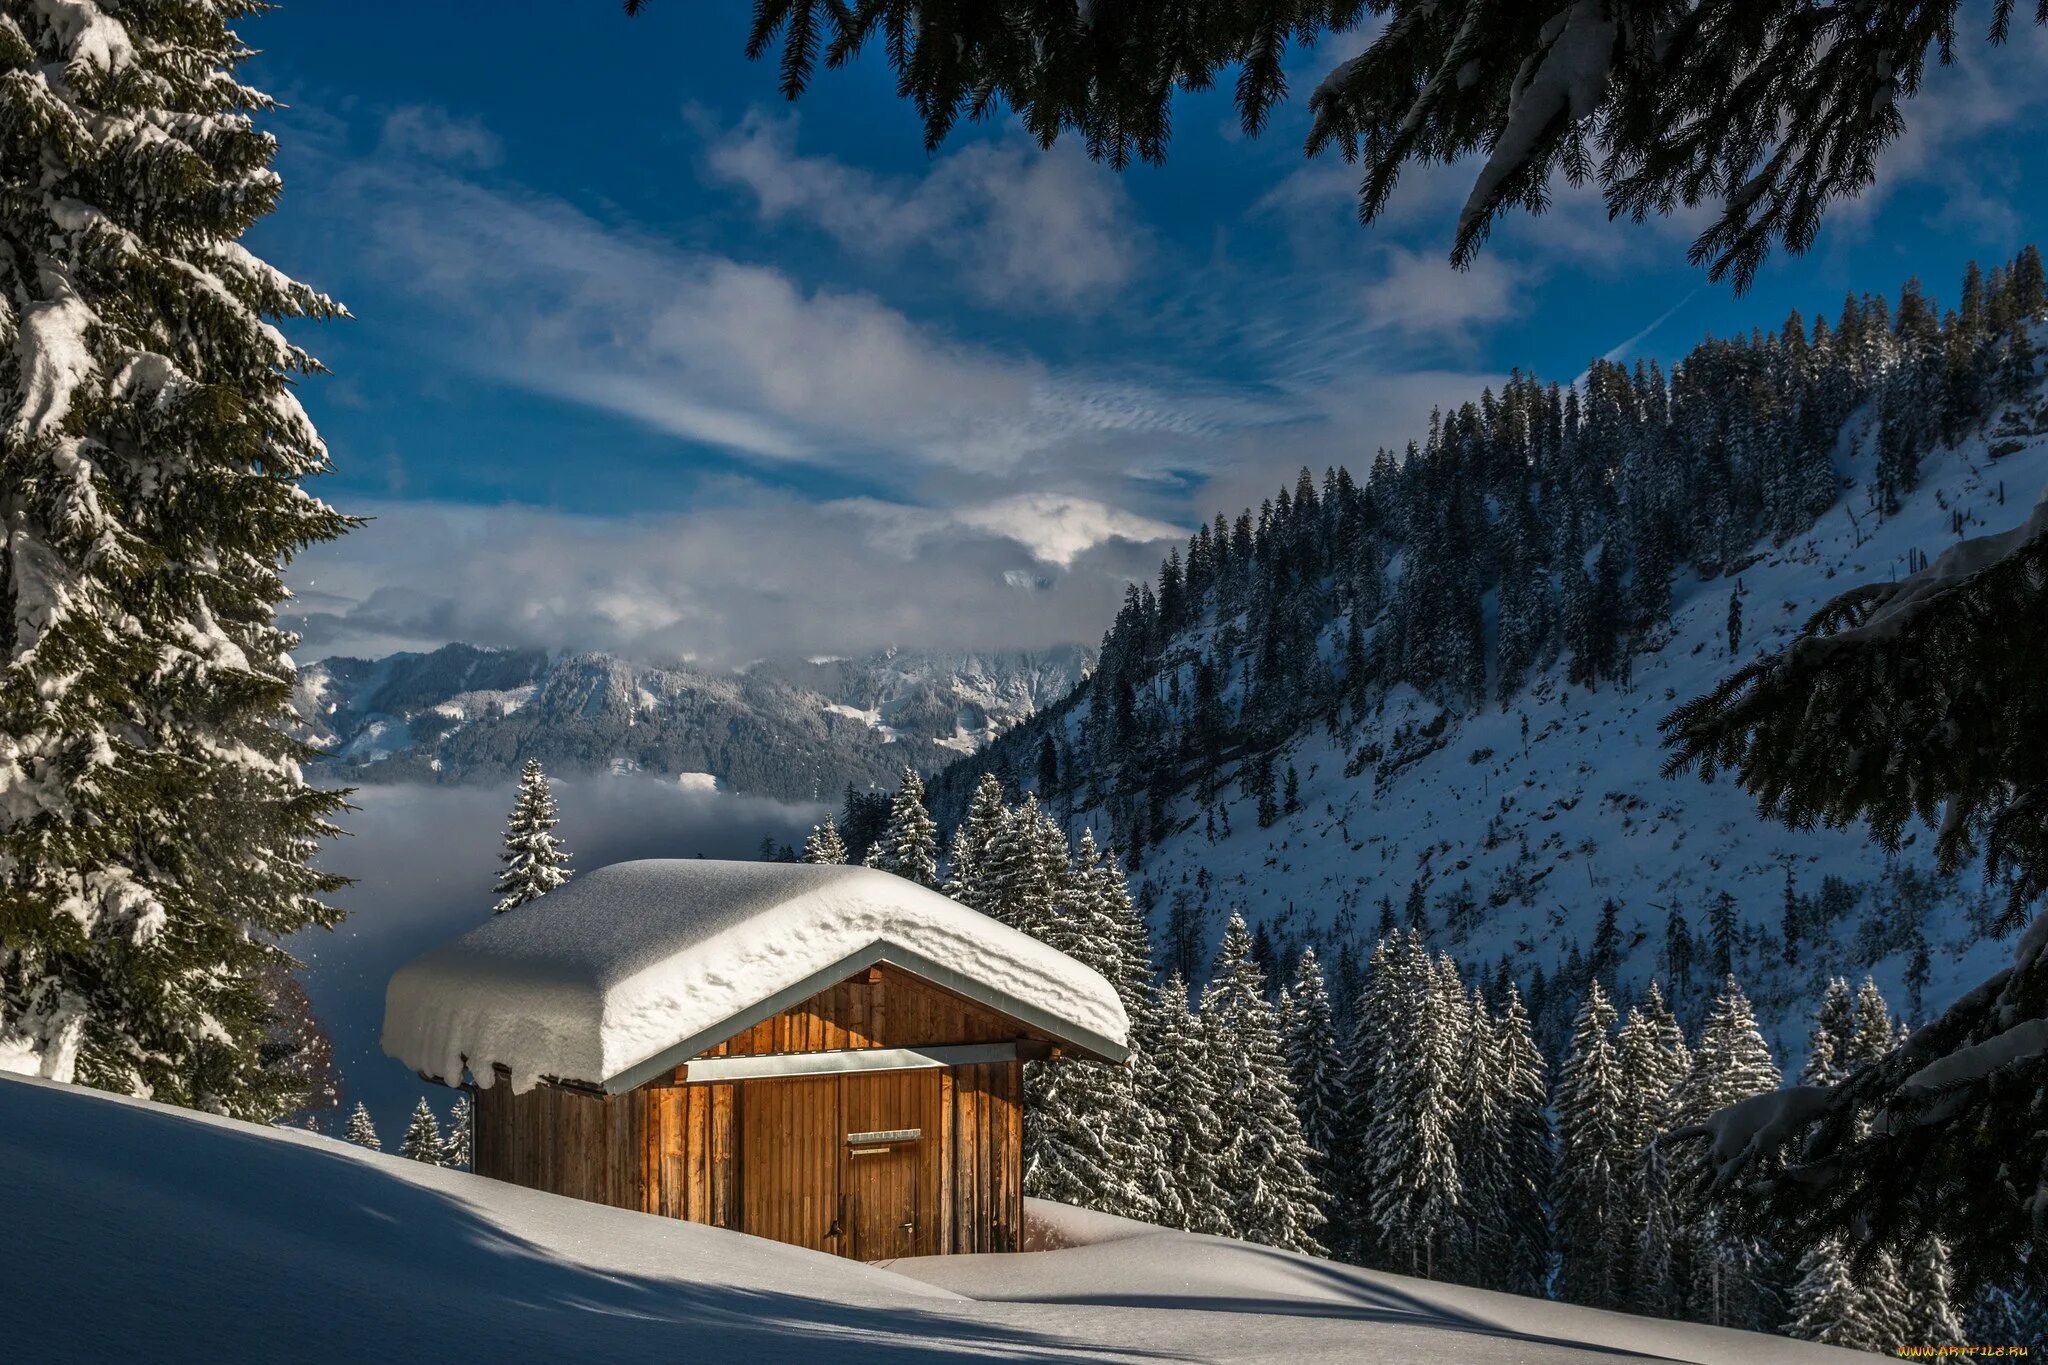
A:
(135, 1231)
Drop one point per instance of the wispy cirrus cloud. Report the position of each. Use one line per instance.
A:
(737, 355)
(1041, 230)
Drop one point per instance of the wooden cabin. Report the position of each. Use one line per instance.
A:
(826, 1056)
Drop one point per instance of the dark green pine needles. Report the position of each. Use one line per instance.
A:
(155, 829)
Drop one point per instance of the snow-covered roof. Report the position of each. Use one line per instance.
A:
(632, 969)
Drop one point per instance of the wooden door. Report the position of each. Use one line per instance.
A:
(892, 1146)
(790, 1141)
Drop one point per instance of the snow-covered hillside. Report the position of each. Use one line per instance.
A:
(1550, 807)
(795, 730)
(1515, 823)
(136, 1231)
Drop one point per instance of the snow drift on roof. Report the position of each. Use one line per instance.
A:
(634, 961)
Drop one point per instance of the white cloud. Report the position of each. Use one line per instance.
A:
(1021, 226)
(755, 573)
(1421, 296)
(532, 291)
(422, 130)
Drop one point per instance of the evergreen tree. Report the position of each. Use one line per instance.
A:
(535, 860)
(1871, 1036)
(1728, 1284)
(1828, 1045)
(1315, 1058)
(1829, 1306)
(1594, 1159)
(825, 845)
(1518, 1192)
(1927, 1297)
(909, 846)
(1158, 1107)
(1410, 1141)
(1186, 1096)
(1022, 871)
(456, 1145)
(984, 820)
(1086, 1135)
(1586, 93)
(158, 839)
(361, 1131)
(422, 1140)
(1373, 1028)
(1262, 1163)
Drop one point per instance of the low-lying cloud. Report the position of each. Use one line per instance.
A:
(760, 573)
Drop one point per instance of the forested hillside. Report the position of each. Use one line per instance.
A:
(1430, 696)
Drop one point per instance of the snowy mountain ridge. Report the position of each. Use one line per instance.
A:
(1510, 825)
(792, 729)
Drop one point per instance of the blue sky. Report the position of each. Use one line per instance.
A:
(646, 359)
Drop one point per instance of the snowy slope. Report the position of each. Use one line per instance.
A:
(796, 730)
(1547, 822)
(141, 1232)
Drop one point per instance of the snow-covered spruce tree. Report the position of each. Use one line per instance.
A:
(422, 1140)
(1111, 893)
(1927, 1302)
(1087, 1136)
(909, 845)
(1871, 1035)
(1654, 1061)
(1725, 1267)
(1186, 1098)
(1830, 1305)
(1520, 1194)
(456, 1151)
(157, 832)
(1262, 1165)
(983, 821)
(1022, 870)
(534, 858)
(1315, 1058)
(1158, 1106)
(1479, 1145)
(825, 845)
(361, 1131)
(1350, 1180)
(1834, 1024)
(1594, 1160)
(1410, 1140)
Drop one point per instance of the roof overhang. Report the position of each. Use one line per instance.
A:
(1080, 1042)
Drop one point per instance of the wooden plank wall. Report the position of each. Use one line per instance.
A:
(688, 1151)
(769, 1156)
(988, 1157)
(562, 1140)
(900, 1010)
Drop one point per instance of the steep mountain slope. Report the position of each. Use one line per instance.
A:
(235, 1242)
(1504, 799)
(797, 730)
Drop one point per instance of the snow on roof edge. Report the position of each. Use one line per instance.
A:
(632, 968)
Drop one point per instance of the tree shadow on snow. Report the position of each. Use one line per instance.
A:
(136, 1231)
(1355, 1298)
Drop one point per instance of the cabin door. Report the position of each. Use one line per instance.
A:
(892, 1146)
(789, 1161)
